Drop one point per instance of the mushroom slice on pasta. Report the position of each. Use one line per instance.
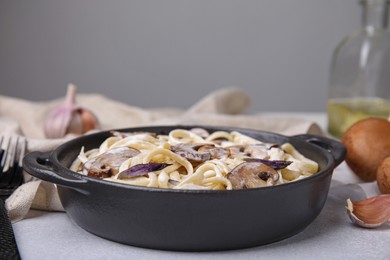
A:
(252, 175)
(107, 164)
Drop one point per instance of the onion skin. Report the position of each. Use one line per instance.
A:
(141, 169)
(367, 143)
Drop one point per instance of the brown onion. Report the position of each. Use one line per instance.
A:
(367, 143)
(383, 176)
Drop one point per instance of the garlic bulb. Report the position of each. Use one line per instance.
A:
(370, 213)
(69, 118)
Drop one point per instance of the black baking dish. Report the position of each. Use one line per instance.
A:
(190, 220)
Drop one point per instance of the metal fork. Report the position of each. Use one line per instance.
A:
(11, 168)
(12, 150)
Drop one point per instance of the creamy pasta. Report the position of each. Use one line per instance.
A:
(193, 159)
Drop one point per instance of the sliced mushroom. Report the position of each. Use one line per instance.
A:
(219, 153)
(275, 164)
(252, 175)
(203, 147)
(235, 150)
(200, 152)
(256, 150)
(252, 150)
(107, 164)
(190, 152)
(215, 152)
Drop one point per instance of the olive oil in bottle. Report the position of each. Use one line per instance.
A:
(347, 111)
(360, 71)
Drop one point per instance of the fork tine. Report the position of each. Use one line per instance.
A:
(22, 152)
(7, 164)
(11, 171)
(11, 160)
(18, 165)
(5, 156)
(2, 152)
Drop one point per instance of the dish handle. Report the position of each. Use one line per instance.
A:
(334, 147)
(38, 164)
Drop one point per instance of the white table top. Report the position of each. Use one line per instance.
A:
(52, 235)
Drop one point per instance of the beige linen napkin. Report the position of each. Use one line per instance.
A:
(224, 107)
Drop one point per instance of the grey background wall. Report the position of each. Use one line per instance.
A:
(158, 53)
